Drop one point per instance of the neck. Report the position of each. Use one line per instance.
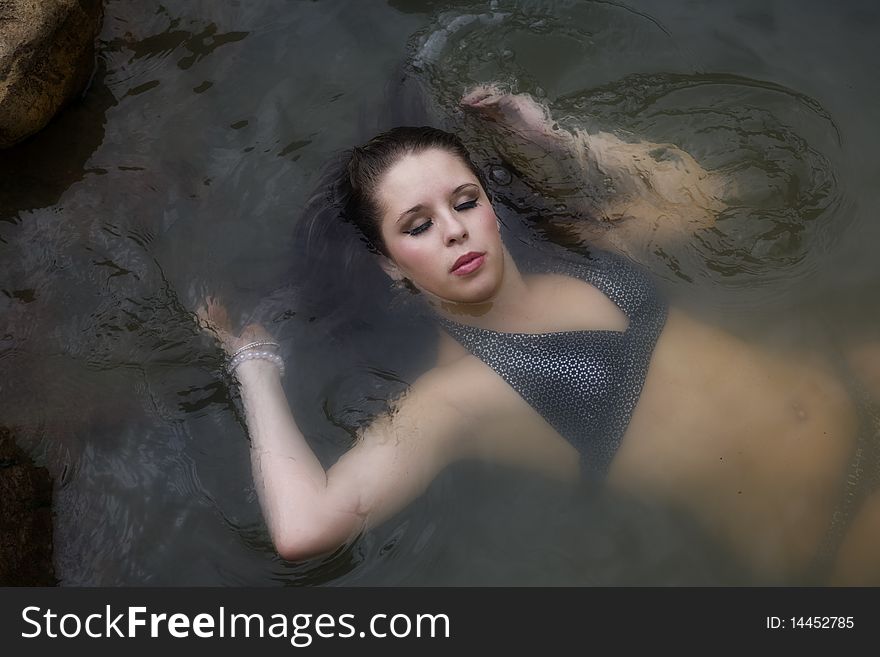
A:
(510, 301)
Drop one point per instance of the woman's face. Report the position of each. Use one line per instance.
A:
(439, 228)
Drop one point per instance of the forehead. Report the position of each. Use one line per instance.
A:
(416, 177)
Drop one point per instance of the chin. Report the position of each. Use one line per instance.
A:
(481, 289)
(478, 294)
(471, 300)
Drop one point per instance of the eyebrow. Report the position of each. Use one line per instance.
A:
(419, 207)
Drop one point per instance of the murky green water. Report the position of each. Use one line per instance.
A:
(188, 164)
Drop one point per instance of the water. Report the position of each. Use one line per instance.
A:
(188, 164)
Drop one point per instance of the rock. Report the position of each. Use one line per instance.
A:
(25, 519)
(47, 54)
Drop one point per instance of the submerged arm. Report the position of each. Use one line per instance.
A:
(659, 189)
(290, 481)
(309, 511)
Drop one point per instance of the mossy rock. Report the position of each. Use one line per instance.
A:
(47, 55)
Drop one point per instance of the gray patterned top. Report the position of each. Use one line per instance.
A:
(584, 383)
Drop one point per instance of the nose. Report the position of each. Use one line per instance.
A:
(454, 229)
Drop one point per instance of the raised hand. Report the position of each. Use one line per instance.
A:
(519, 112)
(213, 318)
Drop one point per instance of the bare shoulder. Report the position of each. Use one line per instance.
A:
(397, 456)
(462, 410)
(461, 388)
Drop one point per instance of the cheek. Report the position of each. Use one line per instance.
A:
(412, 256)
(488, 216)
(488, 225)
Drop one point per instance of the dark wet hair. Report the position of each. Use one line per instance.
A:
(367, 164)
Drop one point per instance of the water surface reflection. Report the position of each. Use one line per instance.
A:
(189, 163)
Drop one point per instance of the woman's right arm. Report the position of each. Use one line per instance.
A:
(309, 511)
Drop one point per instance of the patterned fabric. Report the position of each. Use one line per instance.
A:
(584, 383)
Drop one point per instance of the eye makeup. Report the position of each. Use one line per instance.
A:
(461, 207)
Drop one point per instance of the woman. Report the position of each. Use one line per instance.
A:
(574, 370)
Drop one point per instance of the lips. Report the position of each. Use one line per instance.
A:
(468, 263)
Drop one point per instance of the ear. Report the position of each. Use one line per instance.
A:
(392, 270)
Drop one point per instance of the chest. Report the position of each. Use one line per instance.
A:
(502, 427)
(569, 369)
(532, 399)
(562, 304)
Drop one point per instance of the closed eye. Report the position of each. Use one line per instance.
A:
(421, 228)
(461, 207)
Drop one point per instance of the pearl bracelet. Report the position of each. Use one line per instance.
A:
(273, 358)
(252, 345)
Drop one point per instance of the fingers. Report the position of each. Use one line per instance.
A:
(213, 318)
(202, 316)
(496, 103)
(482, 95)
(212, 313)
(204, 322)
